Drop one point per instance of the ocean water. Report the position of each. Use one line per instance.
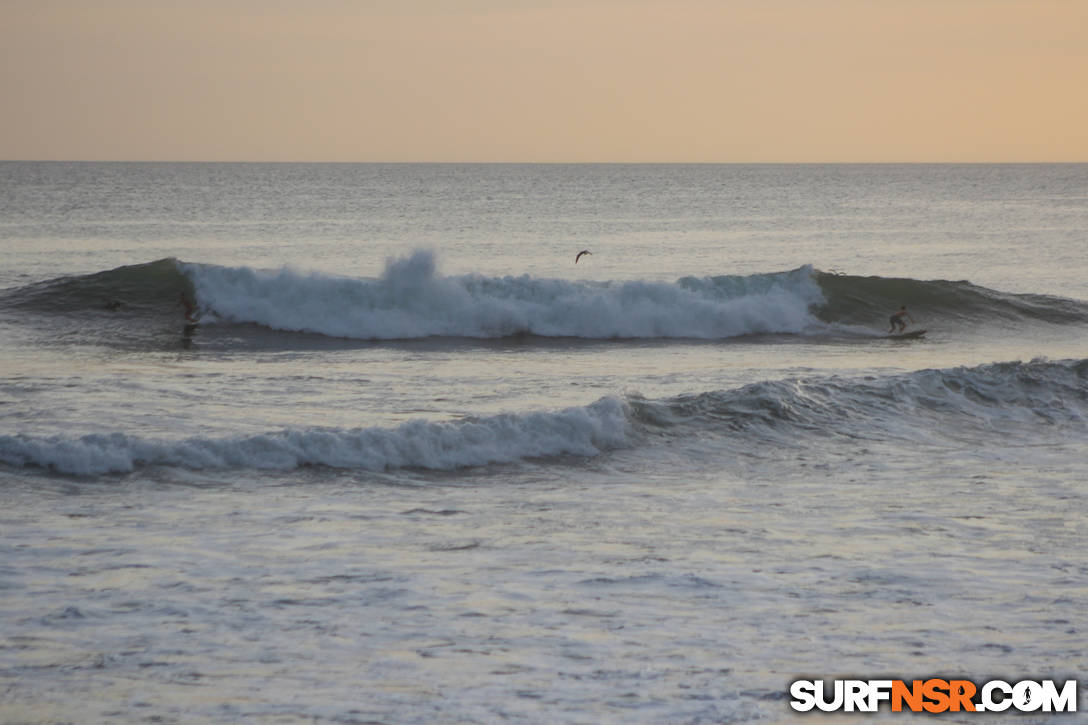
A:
(414, 464)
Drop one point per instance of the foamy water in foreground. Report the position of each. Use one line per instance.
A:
(415, 465)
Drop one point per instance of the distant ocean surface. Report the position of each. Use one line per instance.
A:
(413, 464)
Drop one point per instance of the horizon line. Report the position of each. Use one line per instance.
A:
(546, 163)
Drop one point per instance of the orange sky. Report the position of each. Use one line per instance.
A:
(551, 81)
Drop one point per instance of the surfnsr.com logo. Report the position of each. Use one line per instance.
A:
(933, 695)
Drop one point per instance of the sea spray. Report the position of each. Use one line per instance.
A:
(411, 300)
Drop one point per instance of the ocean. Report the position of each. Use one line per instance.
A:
(414, 463)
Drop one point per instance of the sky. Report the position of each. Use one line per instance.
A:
(734, 81)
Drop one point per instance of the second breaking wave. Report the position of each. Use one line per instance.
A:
(938, 408)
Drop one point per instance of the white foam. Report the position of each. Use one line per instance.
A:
(584, 431)
(412, 300)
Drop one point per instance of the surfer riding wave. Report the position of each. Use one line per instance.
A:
(898, 320)
(191, 315)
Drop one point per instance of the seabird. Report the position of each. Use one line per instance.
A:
(579, 255)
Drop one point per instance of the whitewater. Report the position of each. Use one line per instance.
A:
(414, 464)
(410, 301)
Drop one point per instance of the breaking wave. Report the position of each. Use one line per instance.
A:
(584, 431)
(411, 300)
(988, 405)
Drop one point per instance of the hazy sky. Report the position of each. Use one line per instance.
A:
(537, 80)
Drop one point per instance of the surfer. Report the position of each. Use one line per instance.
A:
(579, 255)
(190, 308)
(898, 319)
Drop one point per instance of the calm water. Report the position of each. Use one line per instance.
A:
(414, 464)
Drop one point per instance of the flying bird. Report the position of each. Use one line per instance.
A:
(579, 255)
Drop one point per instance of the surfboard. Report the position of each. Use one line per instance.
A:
(913, 334)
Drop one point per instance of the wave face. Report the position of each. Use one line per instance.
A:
(927, 406)
(411, 300)
(138, 289)
(978, 408)
(869, 301)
